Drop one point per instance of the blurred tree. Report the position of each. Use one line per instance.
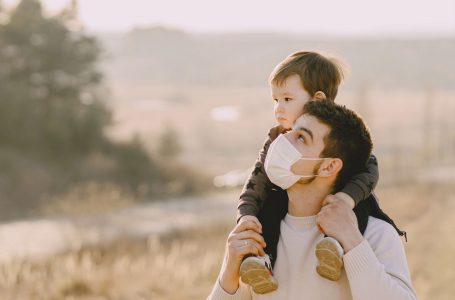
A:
(53, 118)
(169, 146)
(49, 85)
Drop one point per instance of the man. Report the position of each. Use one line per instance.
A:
(327, 145)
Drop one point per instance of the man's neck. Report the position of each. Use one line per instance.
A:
(306, 199)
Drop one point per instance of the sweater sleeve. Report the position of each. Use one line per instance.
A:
(377, 267)
(361, 185)
(242, 293)
(258, 184)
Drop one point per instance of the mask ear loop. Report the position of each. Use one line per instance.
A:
(311, 159)
(309, 176)
(314, 158)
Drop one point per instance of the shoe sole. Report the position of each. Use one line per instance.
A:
(330, 260)
(258, 277)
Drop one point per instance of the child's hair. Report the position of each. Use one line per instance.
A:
(349, 138)
(317, 72)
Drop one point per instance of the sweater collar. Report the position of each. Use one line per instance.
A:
(300, 223)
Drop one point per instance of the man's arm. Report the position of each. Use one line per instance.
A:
(243, 240)
(375, 265)
(243, 292)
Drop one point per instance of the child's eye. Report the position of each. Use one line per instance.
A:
(275, 100)
(287, 99)
(301, 137)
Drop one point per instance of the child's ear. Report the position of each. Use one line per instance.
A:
(319, 95)
(330, 167)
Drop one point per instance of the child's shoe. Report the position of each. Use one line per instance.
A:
(257, 272)
(330, 255)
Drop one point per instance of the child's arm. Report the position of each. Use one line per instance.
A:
(258, 184)
(361, 185)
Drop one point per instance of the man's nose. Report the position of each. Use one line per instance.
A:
(289, 135)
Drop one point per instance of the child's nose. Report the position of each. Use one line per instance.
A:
(279, 107)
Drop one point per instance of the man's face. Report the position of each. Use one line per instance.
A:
(307, 136)
(290, 97)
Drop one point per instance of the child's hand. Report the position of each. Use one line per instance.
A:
(345, 198)
(252, 219)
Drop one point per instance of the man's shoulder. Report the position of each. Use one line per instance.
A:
(376, 225)
(379, 231)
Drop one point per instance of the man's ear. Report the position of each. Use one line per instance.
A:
(319, 95)
(330, 167)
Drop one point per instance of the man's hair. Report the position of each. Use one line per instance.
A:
(317, 72)
(349, 138)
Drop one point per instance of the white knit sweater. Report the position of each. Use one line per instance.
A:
(376, 269)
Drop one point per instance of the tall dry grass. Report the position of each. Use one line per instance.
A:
(426, 213)
(182, 266)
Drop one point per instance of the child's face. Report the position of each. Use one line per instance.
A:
(290, 97)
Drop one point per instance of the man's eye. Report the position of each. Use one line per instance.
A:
(301, 137)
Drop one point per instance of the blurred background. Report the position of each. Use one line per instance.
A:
(127, 129)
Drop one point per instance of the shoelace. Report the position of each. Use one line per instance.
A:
(268, 264)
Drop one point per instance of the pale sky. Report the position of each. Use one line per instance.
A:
(345, 17)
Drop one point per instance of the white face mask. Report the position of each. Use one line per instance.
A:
(279, 160)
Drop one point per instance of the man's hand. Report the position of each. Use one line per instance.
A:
(252, 219)
(243, 240)
(336, 219)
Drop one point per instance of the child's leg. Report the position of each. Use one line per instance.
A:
(362, 212)
(257, 271)
(272, 213)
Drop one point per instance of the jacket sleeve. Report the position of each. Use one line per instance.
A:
(361, 185)
(258, 185)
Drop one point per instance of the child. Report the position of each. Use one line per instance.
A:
(301, 77)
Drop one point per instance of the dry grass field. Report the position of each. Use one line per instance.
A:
(178, 267)
(185, 264)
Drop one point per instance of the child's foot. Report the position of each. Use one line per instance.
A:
(257, 272)
(330, 255)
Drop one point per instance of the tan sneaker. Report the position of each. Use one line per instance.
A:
(330, 255)
(256, 271)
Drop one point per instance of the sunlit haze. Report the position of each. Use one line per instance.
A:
(348, 17)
